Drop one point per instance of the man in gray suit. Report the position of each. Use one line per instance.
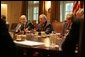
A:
(44, 25)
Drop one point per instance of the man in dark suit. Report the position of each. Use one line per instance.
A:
(7, 47)
(44, 25)
(67, 23)
(72, 39)
(23, 25)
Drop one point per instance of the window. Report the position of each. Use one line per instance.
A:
(33, 10)
(35, 13)
(35, 2)
(68, 8)
(65, 8)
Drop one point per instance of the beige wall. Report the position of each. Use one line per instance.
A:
(13, 10)
(4, 9)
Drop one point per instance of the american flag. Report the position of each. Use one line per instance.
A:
(76, 6)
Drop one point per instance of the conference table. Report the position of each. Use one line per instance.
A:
(40, 47)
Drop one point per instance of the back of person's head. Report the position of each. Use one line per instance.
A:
(3, 17)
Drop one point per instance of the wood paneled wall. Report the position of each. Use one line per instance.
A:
(55, 10)
(24, 10)
(13, 10)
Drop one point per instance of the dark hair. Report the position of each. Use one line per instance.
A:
(3, 17)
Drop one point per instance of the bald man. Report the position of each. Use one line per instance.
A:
(22, 24)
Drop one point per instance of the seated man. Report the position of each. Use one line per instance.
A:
(44, 25)
(23, 25)
(72, 39)
(67, 23)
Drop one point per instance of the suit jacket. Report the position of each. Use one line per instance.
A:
(47, 28)
(21, 27)
(65, 27)
(72, 39)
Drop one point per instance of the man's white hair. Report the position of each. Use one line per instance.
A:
(43, 16)
(23, 16)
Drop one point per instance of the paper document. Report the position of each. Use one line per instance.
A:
(29, 43)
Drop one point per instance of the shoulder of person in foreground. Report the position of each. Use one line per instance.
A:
(7, 46)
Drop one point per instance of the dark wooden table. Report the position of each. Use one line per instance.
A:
(38, 50)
